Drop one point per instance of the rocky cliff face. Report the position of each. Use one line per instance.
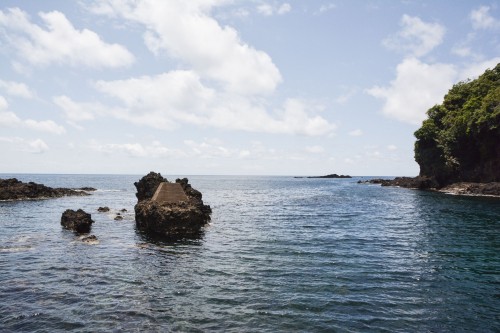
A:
(460, 140)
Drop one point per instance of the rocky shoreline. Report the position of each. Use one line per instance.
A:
(13, 189)
(491, 189)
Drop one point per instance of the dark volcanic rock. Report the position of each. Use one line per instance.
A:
(407, 182)
(87, 189)
(334, 175)
(78, 221)
(170, 219)
(118, 218)
(103, 209)
(485, 189)
(13, 189)
(148, 184)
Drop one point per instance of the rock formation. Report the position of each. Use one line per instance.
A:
(334, 175)
(78, 221)
(13, 189)
(169, 218)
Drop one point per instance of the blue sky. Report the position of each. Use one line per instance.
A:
(230, 87)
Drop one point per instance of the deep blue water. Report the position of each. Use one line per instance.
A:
(280, 255)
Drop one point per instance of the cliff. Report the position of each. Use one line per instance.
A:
(460, 139)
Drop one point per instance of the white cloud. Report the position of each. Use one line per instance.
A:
(265, 9)
(37, 146)
(16, 89)
(59, 42)
(164, 101)
(152, 150)
(269, 10)
(48, 126)
(315, 149)
(284, 8)
(481, 19)
(417, 38)
(325, 8)
(473, 70)
(75, 112)
(10, 119)
(186, 32)
(356, 132)
(392, 147)
(3, 103)
(417, 87)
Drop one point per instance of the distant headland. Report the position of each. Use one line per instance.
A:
(333, 175)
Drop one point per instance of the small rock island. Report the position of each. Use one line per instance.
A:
(170, 210)
(333, 176)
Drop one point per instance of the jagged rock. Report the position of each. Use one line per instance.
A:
(13, 189)
(146, 187)
(418, 182)
(78, 221)
(103, 209)
(178, 219)
(464, 188)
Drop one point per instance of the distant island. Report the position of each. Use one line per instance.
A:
(458, 145)
(333, 175)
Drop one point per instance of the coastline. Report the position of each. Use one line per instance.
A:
(490, 189)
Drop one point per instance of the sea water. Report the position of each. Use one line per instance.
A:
(280, 255)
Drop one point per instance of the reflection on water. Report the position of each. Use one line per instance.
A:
(280, 254)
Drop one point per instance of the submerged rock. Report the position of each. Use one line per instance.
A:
(174, 211)
(92, 239)
(13, 189)
(78, 221)
(103, 209)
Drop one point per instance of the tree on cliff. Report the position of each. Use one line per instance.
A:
(460, 140)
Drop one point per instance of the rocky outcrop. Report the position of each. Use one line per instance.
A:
(78, 221)
(480, 189)
(13, 189)
(426, 183)
(169, 219)
(419, 182)
(147, 185)
(460, 139)
(104, 209)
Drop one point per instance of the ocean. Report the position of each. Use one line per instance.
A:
(280, 255)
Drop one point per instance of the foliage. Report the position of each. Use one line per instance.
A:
(460, 139)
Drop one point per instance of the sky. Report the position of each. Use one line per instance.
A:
(230, 87)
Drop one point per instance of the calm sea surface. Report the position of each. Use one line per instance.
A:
(280, 255)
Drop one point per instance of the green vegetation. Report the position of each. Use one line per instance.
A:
(460, 140)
